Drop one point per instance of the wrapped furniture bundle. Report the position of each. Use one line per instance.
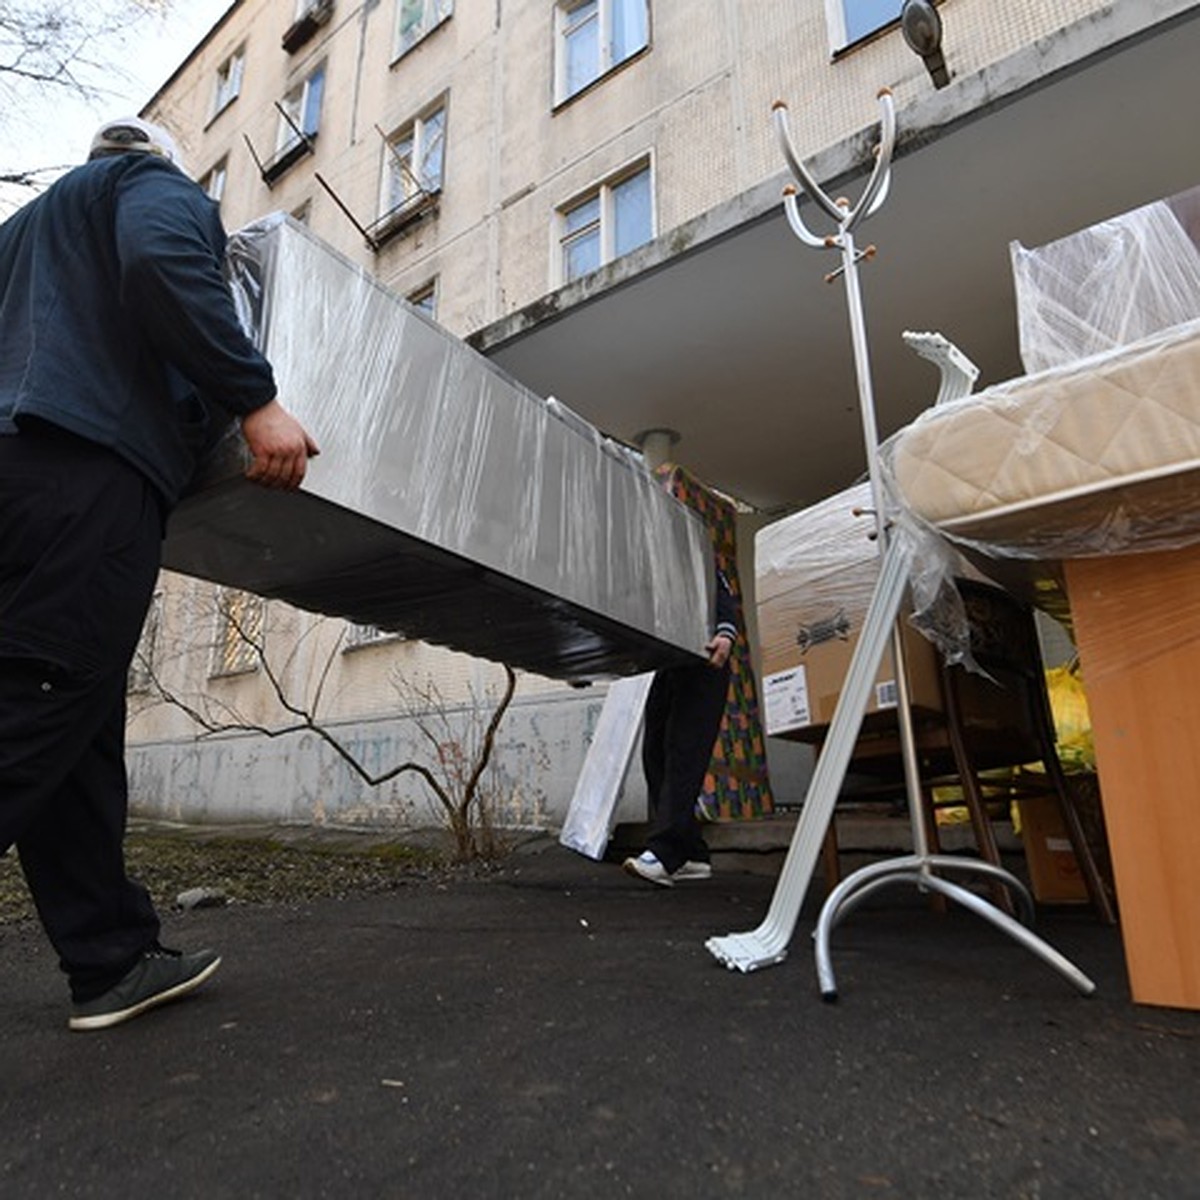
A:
(448, 503)
(1090, 465)
(1097, 450)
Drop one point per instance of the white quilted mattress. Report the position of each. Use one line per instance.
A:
(1086, 458)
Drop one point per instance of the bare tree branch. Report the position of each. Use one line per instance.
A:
(456, 781)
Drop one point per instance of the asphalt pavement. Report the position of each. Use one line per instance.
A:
(560, 1030)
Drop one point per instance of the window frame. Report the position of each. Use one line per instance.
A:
(837, 27)
(604, 192)
(227, 82)
(435, 13)
(606, 63)
(414, 130)
(286, 137)
(218, 173)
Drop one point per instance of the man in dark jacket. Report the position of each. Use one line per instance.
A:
(121, 360)
(682, 720)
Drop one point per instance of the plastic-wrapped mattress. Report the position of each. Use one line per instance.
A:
(448, 502)
(1087, 458)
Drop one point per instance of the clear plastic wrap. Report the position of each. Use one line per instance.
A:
(1107, 286)
(448, 501)
(1096, 451)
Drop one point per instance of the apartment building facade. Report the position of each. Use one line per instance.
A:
(588, 192)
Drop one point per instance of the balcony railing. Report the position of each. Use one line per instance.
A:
(403, 217)
(287, 156)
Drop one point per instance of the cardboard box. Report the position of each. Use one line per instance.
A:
(1054, 873)
(815, 572)
(802, 696)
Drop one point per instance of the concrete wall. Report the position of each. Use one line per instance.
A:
(299, 779)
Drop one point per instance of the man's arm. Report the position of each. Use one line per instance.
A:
(170, 244)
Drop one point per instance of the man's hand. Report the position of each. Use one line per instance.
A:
(280, 445)
(718, 649)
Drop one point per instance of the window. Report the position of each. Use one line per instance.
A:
(303, 108)
(415, 19)
(411, 179)
(239, 633)
(611, 221)
(213, 181)
(413, 160)
(299, 119)
(852, 20)
(425, 298)
(229, 80)
(593, 36)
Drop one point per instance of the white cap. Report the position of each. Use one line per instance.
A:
(132, 134)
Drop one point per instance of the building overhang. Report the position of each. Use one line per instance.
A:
(725, 331)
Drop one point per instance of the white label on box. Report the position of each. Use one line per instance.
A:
(886, 695)
(785, 700)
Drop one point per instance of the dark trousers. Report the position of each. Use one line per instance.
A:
(80, 539)
(682, 720)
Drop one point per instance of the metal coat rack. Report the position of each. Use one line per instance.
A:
(767, 944)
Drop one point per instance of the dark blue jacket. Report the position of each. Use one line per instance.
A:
(115, 319)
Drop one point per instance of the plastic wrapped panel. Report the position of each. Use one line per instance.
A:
(448, 501)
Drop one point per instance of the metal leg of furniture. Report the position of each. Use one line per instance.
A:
(898, 870)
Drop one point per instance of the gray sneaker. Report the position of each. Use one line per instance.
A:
(158, 977)
(694, 869)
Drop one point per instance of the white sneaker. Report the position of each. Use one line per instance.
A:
(693, 869)
(646, 866)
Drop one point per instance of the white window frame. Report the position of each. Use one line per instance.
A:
(214, 179)
(296, 101)
(604, 191)
(413, 181)
(835, 20)
(227, 85)
(563, 12)
(434, 13)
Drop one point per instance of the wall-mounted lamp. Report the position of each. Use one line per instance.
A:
(921, 25)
